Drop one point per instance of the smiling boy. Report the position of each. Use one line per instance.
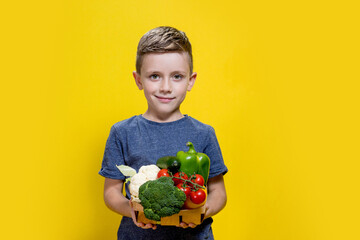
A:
(164, 71)
(165, 79)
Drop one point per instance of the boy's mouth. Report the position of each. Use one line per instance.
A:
(165, 99)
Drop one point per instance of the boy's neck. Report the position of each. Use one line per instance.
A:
(163, 118)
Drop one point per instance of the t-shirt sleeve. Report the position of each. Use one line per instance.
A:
(213, 151)
(113, 156)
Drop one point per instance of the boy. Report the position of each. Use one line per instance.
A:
(164, 70)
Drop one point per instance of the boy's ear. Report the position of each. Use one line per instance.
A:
(138, 80)
(192, 81)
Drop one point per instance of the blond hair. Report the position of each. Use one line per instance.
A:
(163, 39)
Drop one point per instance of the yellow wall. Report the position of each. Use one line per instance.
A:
(278, 80)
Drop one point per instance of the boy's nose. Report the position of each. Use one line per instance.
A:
(165, 86)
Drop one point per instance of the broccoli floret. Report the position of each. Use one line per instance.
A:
(160, 198)
(150, 214)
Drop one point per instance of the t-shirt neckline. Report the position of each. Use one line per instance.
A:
(163, 123)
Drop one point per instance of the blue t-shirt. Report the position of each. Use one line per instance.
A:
(137, 141)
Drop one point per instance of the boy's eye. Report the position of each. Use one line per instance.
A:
(178, 77)
(155, 77)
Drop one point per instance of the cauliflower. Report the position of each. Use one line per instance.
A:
(150, 171)
(146, 173)
(135, 182)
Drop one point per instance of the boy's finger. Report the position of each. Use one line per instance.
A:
(183, 225)
(147, 226)
(152, 226)
(186, 225)
(192, 225)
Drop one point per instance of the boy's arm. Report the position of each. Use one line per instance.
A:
(216, 199)
(117, 202)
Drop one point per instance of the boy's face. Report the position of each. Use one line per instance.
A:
(165, 79)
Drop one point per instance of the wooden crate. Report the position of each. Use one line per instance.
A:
(195, 216)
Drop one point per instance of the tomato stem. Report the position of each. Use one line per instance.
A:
(188, 181)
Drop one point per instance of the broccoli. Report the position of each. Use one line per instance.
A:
(160, 198)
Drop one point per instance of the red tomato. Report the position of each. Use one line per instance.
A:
(163, 173)
(186, 189)
(198, 180)
(190, 205)
(198, 197)
(179, 175)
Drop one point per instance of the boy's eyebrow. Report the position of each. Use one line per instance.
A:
(152, 71)
(184, 73)
(156, 71)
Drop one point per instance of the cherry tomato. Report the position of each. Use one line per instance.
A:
(198, 196)
(186, 189)
(198, 180)
(179, 175)
(190, 205)
(163, 173)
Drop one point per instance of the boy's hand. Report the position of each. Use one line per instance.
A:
(186, 225)
(140, 224)
(192, 225)
(216, 199)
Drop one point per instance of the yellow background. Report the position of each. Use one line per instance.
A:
(278, 80)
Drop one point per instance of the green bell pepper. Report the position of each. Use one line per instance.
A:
(193, 162)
